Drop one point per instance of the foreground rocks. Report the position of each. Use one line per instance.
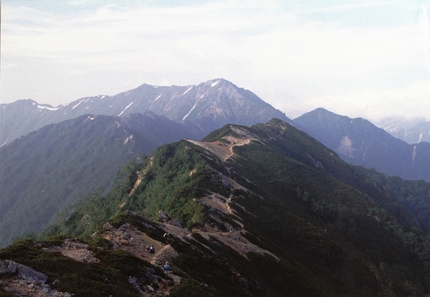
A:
(10, 268)
(21, 280)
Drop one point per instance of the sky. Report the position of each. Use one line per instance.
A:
(360, 58)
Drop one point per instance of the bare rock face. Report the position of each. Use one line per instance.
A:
(6, 269)
(10, 268)
(75, 250)
(21, 280)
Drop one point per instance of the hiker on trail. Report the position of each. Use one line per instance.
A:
(166, 236)
(231, 229)
(166, 268)
(152, 250)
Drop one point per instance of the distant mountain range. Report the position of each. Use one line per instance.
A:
(412, 131)
(92, 138)
(62, 160)
(209, 105)
(359, 142)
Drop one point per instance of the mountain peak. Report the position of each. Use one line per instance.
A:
(360, 142)
(208, 105)
(215, 81)
(212, 83)
(322, 112)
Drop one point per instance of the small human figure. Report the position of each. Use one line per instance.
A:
(166, 236)
(166, 268)
(326, 233)
(152, 250)
(231, 229)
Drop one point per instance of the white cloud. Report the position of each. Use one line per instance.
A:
(288, 58)
(410, 101)
(424, 34)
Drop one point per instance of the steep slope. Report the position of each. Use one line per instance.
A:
(263, 211)
(57, 165)
(210, 104)
(359, 142)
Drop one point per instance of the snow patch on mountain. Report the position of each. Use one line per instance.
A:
(125, 108)
(47, 107)
(128, 139)
(414, 153)
(78, 104)
(90, 118)
(195, 104)
(191, 110)
(213, 84)
(187, 90)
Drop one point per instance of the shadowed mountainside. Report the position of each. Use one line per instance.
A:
(57, 165)
(359, 142)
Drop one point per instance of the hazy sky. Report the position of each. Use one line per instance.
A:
(361, 58)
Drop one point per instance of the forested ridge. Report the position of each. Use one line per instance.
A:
(332, 229)
(55, 166)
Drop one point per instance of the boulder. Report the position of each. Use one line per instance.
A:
(10, 268)
(7, 268)
(31, 275)
(107, 226)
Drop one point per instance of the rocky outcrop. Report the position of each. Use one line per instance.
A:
(10, 268)
(21, 280)
(75, 250)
